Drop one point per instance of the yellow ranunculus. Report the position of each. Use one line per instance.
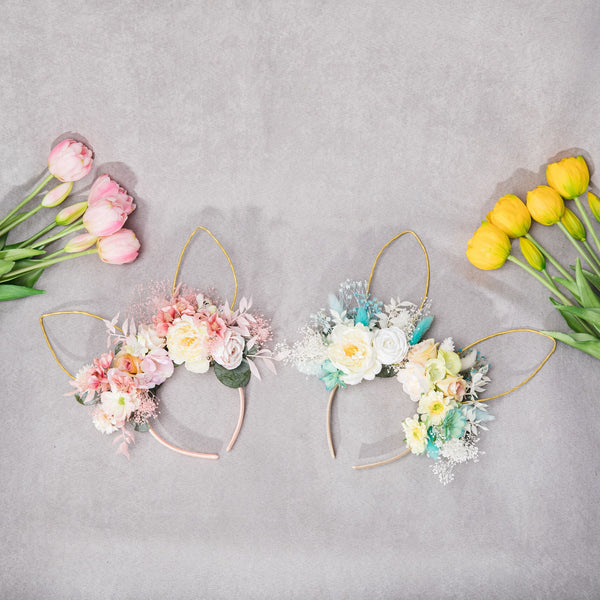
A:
(545, 205)
(511, 216)
(488, 248)
(570, 177)
(573, 225)
(594, 203)
(532, 255)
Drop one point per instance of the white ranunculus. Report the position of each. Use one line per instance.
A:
(352, 352)
(414, 381)
(187, 341)
(390, 345)
(229, 354)
(118, 406)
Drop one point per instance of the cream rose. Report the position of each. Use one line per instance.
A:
(414, 381)
(421, 353)
(454, 387)
(187, 340)
(230, 352)
(390, 345)
(352, 352)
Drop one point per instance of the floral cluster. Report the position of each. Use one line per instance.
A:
(361, 338)
(102, 216)
(188, 329)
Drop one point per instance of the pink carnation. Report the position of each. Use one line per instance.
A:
(156, 368)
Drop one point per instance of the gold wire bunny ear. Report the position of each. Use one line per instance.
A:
(483, 339)
(334, 390)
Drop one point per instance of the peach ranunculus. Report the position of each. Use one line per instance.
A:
(422, 352)
(105, 187)
(70, 161)
(452, 387)
(119, 248)
(187, 341)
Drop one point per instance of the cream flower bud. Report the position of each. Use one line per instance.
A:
(57, 194)
(532, 255)
(70, 214)
(80, 243)
(573, 225)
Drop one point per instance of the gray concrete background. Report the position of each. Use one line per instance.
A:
(304, 135)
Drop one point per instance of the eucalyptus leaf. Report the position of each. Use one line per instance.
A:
(142, 427)
(582, 341)
(572, 321)
(13, 292)
(387, 371)
(588, 298)
(19, 253)
(233, 378)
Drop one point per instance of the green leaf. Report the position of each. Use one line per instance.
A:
(6, 266)
(592, 315)
(592, 278)
(588, 298)
(573, 322)
(142, 427)
(13, 292)
(19, 253)
(28, 279)
(582, 341)
(570, 285)
(21, 264)
(387, 371)
(234, 378)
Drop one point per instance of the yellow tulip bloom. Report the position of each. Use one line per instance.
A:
(511, 216)
(594, 203)
(570, 177)
(488, 248)
(545, 205)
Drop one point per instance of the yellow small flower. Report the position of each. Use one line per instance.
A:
(532, 255)
(594, 203)
(488, 248)
(545, 205)
(573, 225)
(511, 216)
(569, 177)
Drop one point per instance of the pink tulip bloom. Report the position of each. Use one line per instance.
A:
(70, 161)
(119, 248)
(105, 187)
(104, 217)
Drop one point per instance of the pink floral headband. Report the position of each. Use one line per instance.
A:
(187, 329)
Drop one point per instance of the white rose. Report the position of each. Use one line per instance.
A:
(187, 341)
(117, 406)
(148, 337)
(390, 345)
(414, 381)
(229, 354)
(352, 352)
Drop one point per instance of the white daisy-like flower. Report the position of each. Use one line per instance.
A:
(416, 434)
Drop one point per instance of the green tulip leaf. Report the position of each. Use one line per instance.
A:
(21, 264)
(588, 298)
(582, 341)
(13, 292)
(234, 378)
(6, 266)
(570, 285)
(592, 278)
(19, 253)
(592, 315)
(28, 279)
(573, 322)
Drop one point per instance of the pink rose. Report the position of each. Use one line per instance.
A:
(453, 387)
(70, 161)
(105, 187)
(120, 381)
(119, 248)
(156, 368)
(104, 217)
(229, 354)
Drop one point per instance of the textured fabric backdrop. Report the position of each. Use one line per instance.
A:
(304, 135)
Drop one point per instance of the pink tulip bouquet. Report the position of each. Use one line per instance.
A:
(100, 220)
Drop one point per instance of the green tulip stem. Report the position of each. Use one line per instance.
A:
(76, 226)
(54, 254)
(551, 258)
(536, 274)
(587, 221)
(46, 263)
(33, 194)
(20, 219)
(573, 241)
(34, 237)
(588, 247)
(550, 280)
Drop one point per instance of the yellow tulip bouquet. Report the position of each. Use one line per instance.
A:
(576, 292)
